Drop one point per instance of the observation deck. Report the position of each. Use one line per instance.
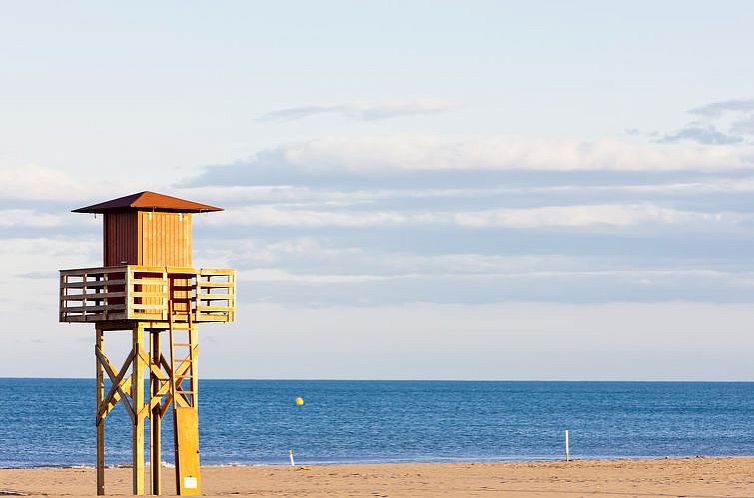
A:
(143, 293)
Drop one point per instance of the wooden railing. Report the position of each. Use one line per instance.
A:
(133, 292)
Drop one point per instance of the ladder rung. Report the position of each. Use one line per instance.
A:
(183, 376)
(187, 360)
(184, 392)
(182, 344)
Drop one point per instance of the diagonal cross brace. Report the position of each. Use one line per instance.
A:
(117, 385)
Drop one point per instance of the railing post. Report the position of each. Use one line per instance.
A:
(165, 293)
(105, 290)
(83, 290)
(129, 291)
(196, 301)
(63, 293)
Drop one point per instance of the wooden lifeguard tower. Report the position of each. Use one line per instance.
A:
(147, 285)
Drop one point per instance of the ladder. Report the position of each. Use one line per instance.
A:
(184, 390)
(183, 349)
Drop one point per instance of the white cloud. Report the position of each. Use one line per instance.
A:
(618, 215)
(365, 111)
(591, 215)
(428, 153)
(280, 216)
(643, 276)
(278, 275)
(29, 218)
(36, 183)
(306, 196)
(717, 109)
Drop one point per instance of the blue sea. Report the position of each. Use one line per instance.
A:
(50, 422)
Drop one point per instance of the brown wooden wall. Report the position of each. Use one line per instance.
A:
(165, 239)
(121, 238)
(147, 238)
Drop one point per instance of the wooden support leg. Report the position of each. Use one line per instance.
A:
(137, 394)
(155, 454)
(100, 343)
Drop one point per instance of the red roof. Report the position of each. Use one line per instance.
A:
(148, 201)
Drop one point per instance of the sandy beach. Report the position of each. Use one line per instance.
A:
(694, 477)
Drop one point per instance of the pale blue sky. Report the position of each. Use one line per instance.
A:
(497, 190)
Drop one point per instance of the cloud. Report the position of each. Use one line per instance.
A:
(36, 183)
(332, 158)
(718, 109)
(617, 215)
(49, 185)
(702, 134)
(737, 115)
(15, 218)
(239, 195)
(359, 111)
(277, 275)
(507, 153)
(744, 125)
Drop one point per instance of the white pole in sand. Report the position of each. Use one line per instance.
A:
(568, 453)
(290, 455)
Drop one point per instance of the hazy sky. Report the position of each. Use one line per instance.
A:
(472, 190)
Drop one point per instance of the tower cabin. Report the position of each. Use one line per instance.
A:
(149, 286)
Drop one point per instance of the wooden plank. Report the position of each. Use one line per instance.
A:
(101, 317)
(93, 297)
(147, 281)
(153, 295)
(101, 269)
(214, 297)
(137, 394)
(126, 386)
(155, 421)
(116, 378)
(93, 308)
(101, 283)
(186, 428)
(113, 402)
(203, 308)
(216, 271)
(157, 307)
(100, 373)
(214, 318)
(214, 284)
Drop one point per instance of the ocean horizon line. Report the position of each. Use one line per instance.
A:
(332, 379)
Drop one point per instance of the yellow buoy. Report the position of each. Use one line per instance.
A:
(299, 401)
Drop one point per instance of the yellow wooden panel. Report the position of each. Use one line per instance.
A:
(186, 426)
(165, 239)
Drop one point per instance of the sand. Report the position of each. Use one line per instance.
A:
(699, 477)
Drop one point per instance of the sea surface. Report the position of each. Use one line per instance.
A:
(50, 422)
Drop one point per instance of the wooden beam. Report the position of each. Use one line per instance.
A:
(100, 373)
(107, 407)
(116, 379)
(137, 395)
(156, 393)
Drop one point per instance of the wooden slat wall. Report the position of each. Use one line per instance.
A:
(121, 239)
(165, 239)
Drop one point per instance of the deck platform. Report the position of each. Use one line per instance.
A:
(142, 293)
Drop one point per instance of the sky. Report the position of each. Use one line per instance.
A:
(413, 190)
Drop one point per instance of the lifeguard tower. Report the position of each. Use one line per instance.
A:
(147, 285)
